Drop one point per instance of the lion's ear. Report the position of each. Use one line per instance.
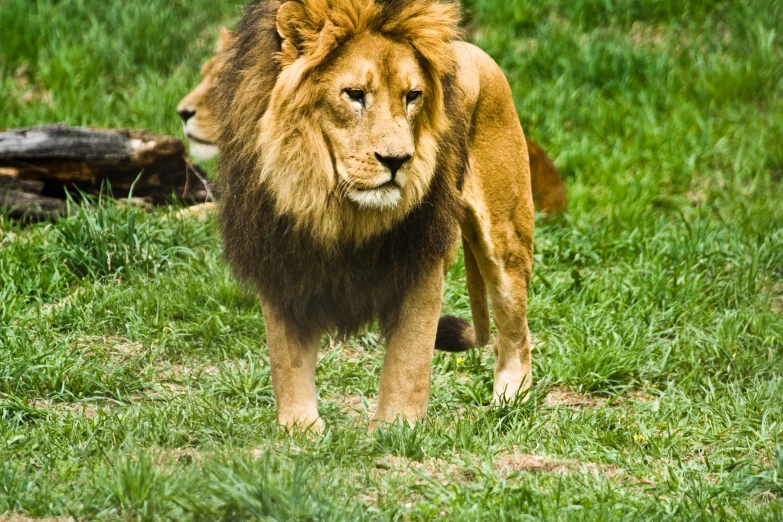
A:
(300, 24)
(291, 24)
(290, 17)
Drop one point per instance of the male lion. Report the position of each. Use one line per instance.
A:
(349, 166)
(195, 109)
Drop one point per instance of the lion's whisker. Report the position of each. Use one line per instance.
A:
(347, 185)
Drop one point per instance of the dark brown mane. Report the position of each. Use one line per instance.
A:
(255, 45)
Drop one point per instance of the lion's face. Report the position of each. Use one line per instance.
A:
(343, 132)
(371, 102)
(197, 118)
(195, 109)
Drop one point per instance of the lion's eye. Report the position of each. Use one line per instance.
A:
(413, 96)
(356, 95)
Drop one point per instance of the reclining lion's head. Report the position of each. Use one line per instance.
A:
(345, 134)
(195, 109)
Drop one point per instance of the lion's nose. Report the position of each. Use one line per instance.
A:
(393, 163)
(186, 115)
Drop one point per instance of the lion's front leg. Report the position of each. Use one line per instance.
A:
(404, 391)
(293, 359)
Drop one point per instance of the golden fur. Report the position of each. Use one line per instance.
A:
(348, 166)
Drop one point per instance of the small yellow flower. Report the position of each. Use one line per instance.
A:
(460, 360)
(639, 438)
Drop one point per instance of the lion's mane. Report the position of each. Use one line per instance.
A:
(286, 234)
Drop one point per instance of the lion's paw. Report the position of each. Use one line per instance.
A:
(508, 385)
(306, 424)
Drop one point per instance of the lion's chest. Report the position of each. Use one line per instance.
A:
(344, 289)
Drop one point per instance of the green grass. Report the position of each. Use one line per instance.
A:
(134, 381)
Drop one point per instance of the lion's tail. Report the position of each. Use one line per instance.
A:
(457, 335)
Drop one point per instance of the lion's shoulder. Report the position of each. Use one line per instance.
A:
(478, 77)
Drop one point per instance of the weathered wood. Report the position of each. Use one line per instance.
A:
(25, 185)
(26, 205)
(85, 159)
(61, 142)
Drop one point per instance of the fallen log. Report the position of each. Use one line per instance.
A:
(25, 185)
(75, 159)
(31, 207)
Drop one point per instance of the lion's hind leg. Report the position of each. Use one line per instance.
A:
(504, 257)
(498, 231)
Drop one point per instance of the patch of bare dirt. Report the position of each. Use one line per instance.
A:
(173, 387)
(564, 397)
(354, 406)
(181, 372)
(639, 396)
(348, 352)
(31, 93)
(440, 470)
(124, 351)
(191, 455)
(72, 409)
(62, 303)
(37, 96)
(509, 463)
(258, 453)
(648, 36)
(117, 350)
(571, 399)
(84, 410)
(15, 517)
(777, 298)
(701, 186)
(504, 464)
(766, 497)
(178, 456)
(697, 192)
(174, 378)
(21, 78)
(519, 462)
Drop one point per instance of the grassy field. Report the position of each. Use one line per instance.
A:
(134, 382)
